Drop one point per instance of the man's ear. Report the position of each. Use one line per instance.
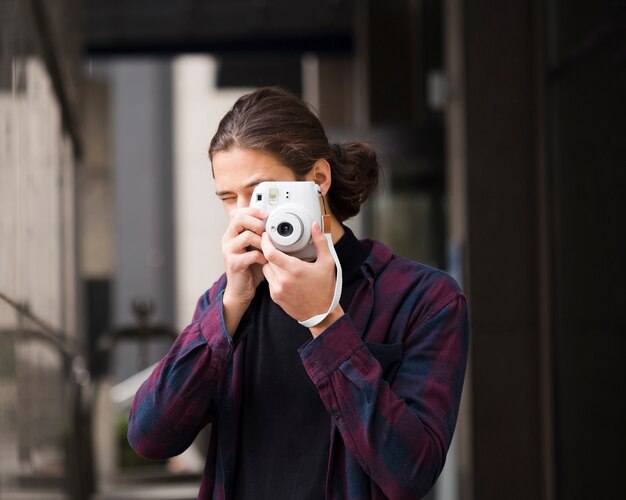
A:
(320, 174)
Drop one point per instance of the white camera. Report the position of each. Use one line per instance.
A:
(292, 208)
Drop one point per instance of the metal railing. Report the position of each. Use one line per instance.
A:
(45, 449)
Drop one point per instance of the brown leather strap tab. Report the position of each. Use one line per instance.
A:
(326, 223)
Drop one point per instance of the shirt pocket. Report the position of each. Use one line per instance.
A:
(388, 355)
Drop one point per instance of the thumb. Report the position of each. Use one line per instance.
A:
(320, 241)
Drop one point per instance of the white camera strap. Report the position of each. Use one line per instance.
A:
(317, 319)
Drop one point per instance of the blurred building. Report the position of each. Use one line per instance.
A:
(43, 453)
(500, 127)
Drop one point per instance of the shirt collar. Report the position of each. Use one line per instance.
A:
(351, 252)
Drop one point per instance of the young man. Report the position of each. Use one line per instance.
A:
(362, 404)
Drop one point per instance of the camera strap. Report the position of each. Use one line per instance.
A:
(317, 319)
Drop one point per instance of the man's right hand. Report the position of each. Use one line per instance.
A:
(243, 260)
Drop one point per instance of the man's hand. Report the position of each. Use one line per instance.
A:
(243, 259)
(302, 289)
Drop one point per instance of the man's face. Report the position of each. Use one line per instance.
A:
(238, 171)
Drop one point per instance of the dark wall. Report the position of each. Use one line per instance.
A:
(587, 156)
(546, 199)
(503, 185)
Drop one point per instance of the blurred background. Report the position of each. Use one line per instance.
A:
(501, 127)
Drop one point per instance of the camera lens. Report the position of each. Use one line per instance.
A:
(284, 229)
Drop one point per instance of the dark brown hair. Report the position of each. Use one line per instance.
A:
(276, 121)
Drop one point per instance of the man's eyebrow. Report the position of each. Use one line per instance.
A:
(223, 193)
(250, 184)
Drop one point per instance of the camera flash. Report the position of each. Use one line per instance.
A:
(273, 195)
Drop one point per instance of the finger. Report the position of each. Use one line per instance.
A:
(320, 242)
(241, 243)
(242, 220)
(269, 273)
(253, 257)
(248, 240)
(238, 262)
(257, 213)
(275, 256)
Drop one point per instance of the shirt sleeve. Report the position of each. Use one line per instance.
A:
(174, 403)
(398, 431)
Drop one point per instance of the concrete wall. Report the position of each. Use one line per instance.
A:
(143, 256)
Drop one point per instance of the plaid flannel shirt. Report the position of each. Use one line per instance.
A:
(390, 373)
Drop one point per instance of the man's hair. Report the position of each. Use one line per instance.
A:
(277, 122)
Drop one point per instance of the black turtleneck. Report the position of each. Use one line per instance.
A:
(284, 434)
